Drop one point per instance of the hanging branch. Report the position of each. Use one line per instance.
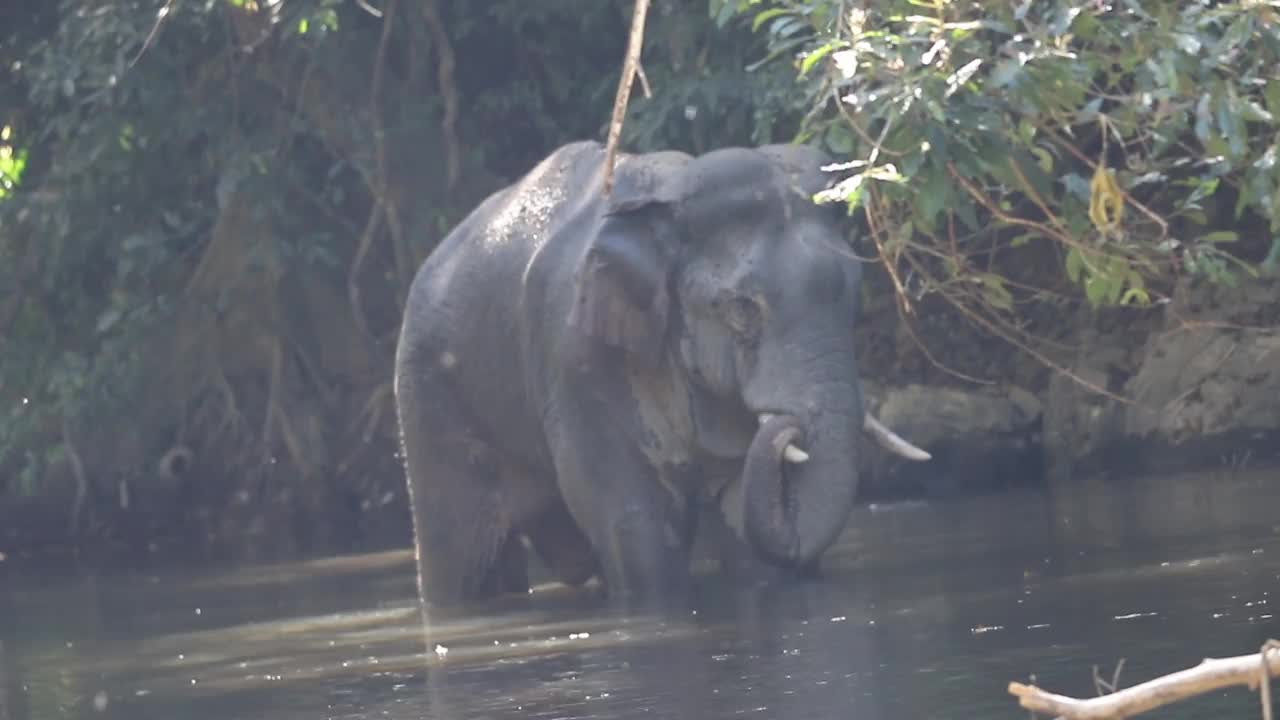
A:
(448, 91)
(629, 68)
(378, 186)
(1253, 670)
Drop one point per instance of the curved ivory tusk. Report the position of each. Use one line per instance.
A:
(790, 453)
(890, 440)
(795, 454)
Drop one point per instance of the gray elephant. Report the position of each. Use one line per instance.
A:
(581, 373)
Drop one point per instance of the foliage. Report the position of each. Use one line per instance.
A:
(1139, 138)
(210, 211)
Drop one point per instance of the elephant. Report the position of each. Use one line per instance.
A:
(578, 372)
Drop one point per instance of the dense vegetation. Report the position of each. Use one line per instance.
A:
(210, 211)
(1129, 142)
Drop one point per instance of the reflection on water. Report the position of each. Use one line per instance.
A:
(927, 610)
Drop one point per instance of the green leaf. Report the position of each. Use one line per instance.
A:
(965, 210)
(1095, 290)
(766, 16)
(1135, 295)
(935, 193)
(853, 200)
(839, 139)
(1075, 265)
(1187, 43)
(886, 173)
(1007, 72)
(1077, 186)
(812, 58)
(107, 320)
(1204, 120)
(1023, 239)
(900, 238)
(995, 292)
(1220, 236)
(1271, 95)
(1272, 261)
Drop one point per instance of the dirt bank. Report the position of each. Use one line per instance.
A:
(1193, 382)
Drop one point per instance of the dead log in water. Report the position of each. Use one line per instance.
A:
(1253, 671)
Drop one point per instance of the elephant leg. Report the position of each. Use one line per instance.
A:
(463, 540)
(510, 571)
(462, 529)
(561, 544)
(638, 526)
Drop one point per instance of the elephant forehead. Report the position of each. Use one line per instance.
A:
(804, 263)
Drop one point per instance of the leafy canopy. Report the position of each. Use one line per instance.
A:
(1140, 137)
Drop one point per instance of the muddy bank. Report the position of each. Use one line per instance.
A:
(1193, 383)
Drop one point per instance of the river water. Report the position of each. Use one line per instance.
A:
(927, 610)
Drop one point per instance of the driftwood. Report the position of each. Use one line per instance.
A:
(1253, 670)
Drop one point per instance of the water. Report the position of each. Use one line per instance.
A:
(928, 611)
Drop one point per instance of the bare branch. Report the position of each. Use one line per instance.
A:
(629, 67)
(365, 6)
(448, 91)
(379, 184)
(353, 275)
(644, 82)
(78, 472)
(161, 15)
(1211, 674)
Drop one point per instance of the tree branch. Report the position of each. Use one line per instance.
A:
(378, 186)
(634, 45)
(1211, 674)
(448, 91)
(78, 472)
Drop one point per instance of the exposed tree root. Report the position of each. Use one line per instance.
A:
(1253, 670)
(77, 471)
(383, 208)
(379, 402)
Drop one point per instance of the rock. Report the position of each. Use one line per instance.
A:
(1080, 424)
(1206, 382)
(981, 438)
(1202, 390)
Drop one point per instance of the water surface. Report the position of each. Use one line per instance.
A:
(927, 610)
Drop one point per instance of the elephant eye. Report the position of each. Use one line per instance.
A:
(742, 314)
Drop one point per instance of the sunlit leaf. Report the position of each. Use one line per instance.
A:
(767, 15)
(814, 57)
(1075, 265)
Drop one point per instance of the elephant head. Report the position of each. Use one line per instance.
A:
(723, 267)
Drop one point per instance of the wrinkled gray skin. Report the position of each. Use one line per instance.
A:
(582, 372)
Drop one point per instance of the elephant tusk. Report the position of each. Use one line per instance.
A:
(790, 452)
(794, 454)
(891, 441)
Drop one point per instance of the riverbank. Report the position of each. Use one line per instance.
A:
(1187, 385)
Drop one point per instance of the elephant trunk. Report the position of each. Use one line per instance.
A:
(799, 483)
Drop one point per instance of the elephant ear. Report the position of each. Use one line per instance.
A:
(622, 297)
